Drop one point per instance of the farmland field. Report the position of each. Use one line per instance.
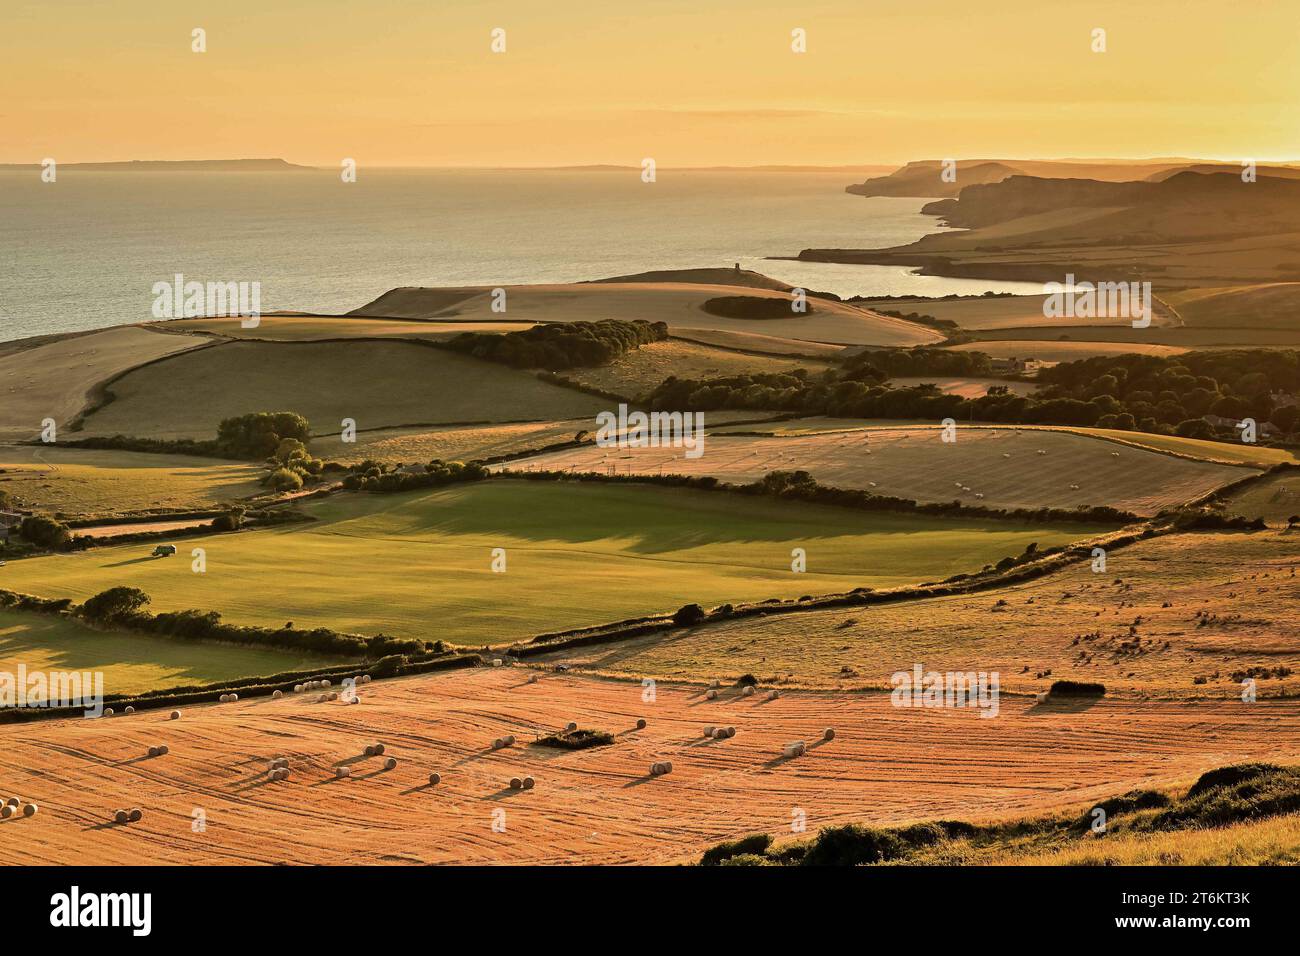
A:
(374, 383)
(133, 663)
(305, 328)
(1053, 351)
(418, 565)
(101, 482)
(1247, 585)
(55, 379)
(1001, 466)
(589, 806)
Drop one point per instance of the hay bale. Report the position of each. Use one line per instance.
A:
(570, 727)
(120, 816)
(714, 685)
(108, 711)
(529, 783)
(277, 694)
(711, 695)
(390, 763)
(795, 749)
(342, 771)
(136, 815)
(379, 749)
(516, 783)
(365, 678)
(435, 779)
(12, 802)
(163, 750)
(708, 731)
(224, 698)
(828, 733)
(297, 688)
(773, 694)
(656, 769)
(510, 740)
(747, 692)
(6, 812)
(640, 724)
(731, 731)
(174, 715)
(153, 751)
(370, 750)
(234, 697)
(325, 682)
(354, 699)
(129, 709)
(532, 678)
(496, 662)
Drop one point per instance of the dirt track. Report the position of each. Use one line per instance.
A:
(594, 806)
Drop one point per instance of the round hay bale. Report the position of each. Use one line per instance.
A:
(370, 750)
(795, 749)
(163, 750)
(136, 815)
(6, 812)
(129, 709)
(773, 695)
(12, 802)
(711, 695)
(174, 715)
(390, 763)
(354, 699)
(498, 743)
(496, 662)
(325, 682)
(731, 732)
(108, 711)
(656, 769)
(828, 733)
(510, 740)
(334, 695)
(640, 724)
(532, 678)
(379, 749)
(714, 685)
(224, 698)
(297, 688)
(365, 678)
(529, 783)
(121, 816)
(570, 727)
(708, 731)
(277, 694)
(668, 766)
(234, 697)
(435, 779)
(342, 771)
(153, 751)
(748, 691)
(516, 783)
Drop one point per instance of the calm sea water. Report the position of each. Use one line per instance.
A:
(84, 252)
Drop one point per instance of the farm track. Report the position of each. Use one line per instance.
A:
(885, 765)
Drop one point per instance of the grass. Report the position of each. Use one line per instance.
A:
(1074, 625)
(418, 565)
(132, 663)
(305, 328)
(94, 482)
(1054, 351)
(640, 371)
(1234, 452)
(999, 463)
(374, 383)
(1275, 499)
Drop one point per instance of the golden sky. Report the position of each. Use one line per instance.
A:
(705, 82)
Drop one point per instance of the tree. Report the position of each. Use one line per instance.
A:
(114, 604)
(1194, 428)
(44, 532)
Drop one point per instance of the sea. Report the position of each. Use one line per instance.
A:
(85, 251)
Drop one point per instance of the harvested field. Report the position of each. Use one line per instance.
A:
(965, 387)
(640, 371)
(374, 383)
(679, 304)
(1275, 499)
(1244, 585)
(1000, 312)
(588, 806)
(419, 564)
(56, 379)
(1050, 351)
(132, 663)
(1001, 464)
(763, 344)
(291, 327)
(104, 482)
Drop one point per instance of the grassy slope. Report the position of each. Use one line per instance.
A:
(419, 564)
(1245, 580)
(86, 481)
(375, 383)
(303, 328)
(131, 663)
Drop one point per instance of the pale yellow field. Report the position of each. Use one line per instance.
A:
(1246, 582)
(374, 383)
(678, 304)
(965, 387)
(305, 328)
(763, 344)
(1001, 464)
(1000, 312)
(54, 380)
(85, 481)
(1050, 351)
(1269, 305)
(1275, 499)
(591, 806)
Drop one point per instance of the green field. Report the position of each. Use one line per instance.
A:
(132, 663)
(103, 482)
(418, 565)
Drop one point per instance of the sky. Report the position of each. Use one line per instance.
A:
(700, 83)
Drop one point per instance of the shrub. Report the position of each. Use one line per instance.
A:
(282, 479)
(44, 531)
(259, 434)
(755, 845)
(114, 604)
(1072, 688)
(579, 739)
(689, 615)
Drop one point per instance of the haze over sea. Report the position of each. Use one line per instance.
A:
(84, 252)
